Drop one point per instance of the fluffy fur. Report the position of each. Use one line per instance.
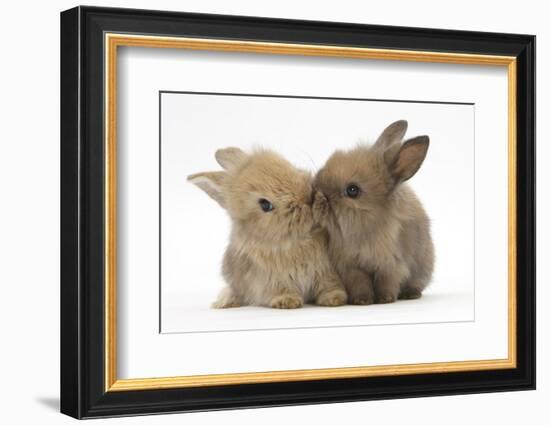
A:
(380, 241)
(277, 258)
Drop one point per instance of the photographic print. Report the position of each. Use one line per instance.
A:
(262, 207)
(259, 212)
(305, 204)
(285, 211)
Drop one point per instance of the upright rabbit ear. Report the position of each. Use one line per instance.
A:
(393, 133)
(211, 183)
(410, 158)
(230, 157)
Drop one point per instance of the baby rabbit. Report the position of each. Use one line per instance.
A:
(277, 254)
(380, 241)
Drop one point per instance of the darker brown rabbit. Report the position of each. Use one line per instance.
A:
(380, 241)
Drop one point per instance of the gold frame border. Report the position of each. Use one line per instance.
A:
(113, 41)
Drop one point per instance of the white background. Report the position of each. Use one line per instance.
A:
(195, 230)
(29, 228)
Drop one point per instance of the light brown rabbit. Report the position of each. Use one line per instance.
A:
(380, 241)
(277, 254)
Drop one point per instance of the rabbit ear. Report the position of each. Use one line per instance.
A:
(410, 158)
(230, 157)
(211, 183)
(393, 133)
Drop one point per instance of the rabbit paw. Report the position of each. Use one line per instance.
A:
(361, 299)
(410, 294)
(320, 207)
(332, 298)
(287, 301)
(222, 304)
(385, 299)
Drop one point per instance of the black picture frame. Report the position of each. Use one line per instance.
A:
(83, 392)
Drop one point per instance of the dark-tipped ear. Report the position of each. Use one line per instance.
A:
(230, 157)
(410, 158)
(211, 183)
(393, 133)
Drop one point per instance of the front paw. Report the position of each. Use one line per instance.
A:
(385, 298)
(332, 298)
(410, 294)
(287, 301)
(364, 298)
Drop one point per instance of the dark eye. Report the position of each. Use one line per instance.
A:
(352, 190)
(265, 205)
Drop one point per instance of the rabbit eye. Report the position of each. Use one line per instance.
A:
(352, 190)
(265, 205)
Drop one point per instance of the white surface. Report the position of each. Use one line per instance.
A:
(441, 307)
(195, 229)
(146, 71)
(29, 361)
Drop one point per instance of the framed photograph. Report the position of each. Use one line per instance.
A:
(261, 212)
